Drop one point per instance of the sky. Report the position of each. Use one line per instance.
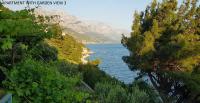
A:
(117, 13)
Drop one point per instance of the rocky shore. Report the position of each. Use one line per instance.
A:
(85, 54)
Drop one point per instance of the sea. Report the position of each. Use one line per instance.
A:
(111, 61)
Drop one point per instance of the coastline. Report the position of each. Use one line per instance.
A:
(85, 54)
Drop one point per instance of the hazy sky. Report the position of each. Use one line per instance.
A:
(118, 13)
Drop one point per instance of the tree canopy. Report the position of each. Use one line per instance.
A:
(165, 44)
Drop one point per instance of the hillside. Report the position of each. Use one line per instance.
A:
(68, 48)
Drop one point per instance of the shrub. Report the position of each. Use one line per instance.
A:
(138, 96)
(110, 93)
(37, 82)
(66, 68)
(117, 95)
(43, 51)
(102, 90)
(92, 75)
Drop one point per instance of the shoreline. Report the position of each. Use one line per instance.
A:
(85, 54)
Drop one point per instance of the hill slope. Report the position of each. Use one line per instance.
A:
(68, 48)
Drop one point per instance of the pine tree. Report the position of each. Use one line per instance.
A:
(165, 45)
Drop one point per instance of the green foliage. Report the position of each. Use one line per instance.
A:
(170, 39)
(7, 44)
(146, 91)
(37, 82)
(138, 96)
(43, 51)
(20, 31)
(92, 75)
(115, 93)
(109, 93)
(165, 38)
(68, 48)
(35, 73)
(66, 68)
(22, 36)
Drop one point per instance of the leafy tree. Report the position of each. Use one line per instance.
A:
(165, 44)
(20, 31)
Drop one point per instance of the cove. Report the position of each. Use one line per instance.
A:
(111, 61)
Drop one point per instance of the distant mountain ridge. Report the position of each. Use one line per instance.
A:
(85, 31)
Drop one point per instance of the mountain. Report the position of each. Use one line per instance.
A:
(84, 31)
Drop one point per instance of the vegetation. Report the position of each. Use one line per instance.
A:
(92, 75)
(115, 93)
(165, 45)
(37, 82)
(20, 31)
(68, 48)
(28, 64)
(38, 64)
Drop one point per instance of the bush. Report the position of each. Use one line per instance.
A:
(43, 51)
(66, 68)
(116, 93)
(92, 75)
(153, 96)
(102, 90)
(37, 82)
(110, 93)
(138, 96)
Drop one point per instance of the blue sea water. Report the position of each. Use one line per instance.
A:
(111, 61)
